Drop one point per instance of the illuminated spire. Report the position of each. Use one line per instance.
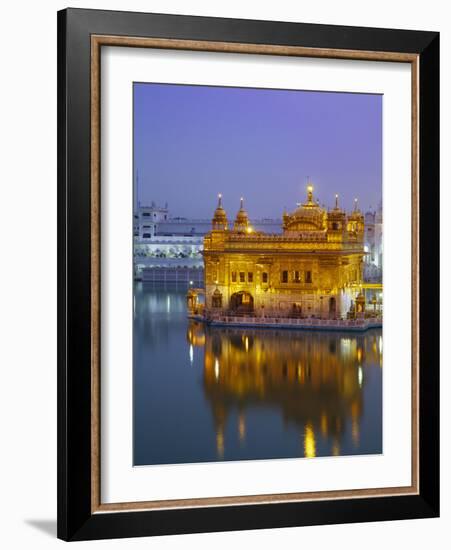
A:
(242, 219)
(309, 193)
(356, 204)
(336, 201)
(219, 221)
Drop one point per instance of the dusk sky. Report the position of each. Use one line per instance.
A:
(193, 142)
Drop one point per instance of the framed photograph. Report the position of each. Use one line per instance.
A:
(248, 274)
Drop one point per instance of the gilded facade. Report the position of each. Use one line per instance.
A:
(313, 268)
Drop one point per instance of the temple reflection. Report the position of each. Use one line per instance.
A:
(315, 380)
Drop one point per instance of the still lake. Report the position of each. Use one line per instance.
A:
(203, 394)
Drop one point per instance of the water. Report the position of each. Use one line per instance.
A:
(207, 394)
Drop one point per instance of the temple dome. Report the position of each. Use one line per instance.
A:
(308, 216)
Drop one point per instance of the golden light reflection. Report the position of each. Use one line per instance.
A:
(216, 369)
(355, 425)
(220, 444)
(196, 334)
(335, 448)
(360, 375)
(299, 372)
(380, 351)
(309, 442)
(311, 379)
(324, 424)
(241, 427)
(355, 430)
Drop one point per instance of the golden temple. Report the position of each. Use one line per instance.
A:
(314, 268)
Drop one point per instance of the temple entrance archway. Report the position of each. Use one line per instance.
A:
(332, 306)
(242, 302)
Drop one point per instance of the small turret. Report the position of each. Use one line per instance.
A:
(336, 220)
(242, 220)
(356, 221)
(219, 221)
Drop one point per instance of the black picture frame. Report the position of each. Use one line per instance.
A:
(76, 521)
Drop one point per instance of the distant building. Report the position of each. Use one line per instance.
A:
(146, 219)
(373, 245)
(314, 268)
(163, 252)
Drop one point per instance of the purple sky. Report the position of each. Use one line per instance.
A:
(193, 142)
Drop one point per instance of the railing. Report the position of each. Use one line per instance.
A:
(182, 276)
(271, 237)
(294, 322)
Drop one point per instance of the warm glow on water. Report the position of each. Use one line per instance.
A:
(309, 442)
(203, 394)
